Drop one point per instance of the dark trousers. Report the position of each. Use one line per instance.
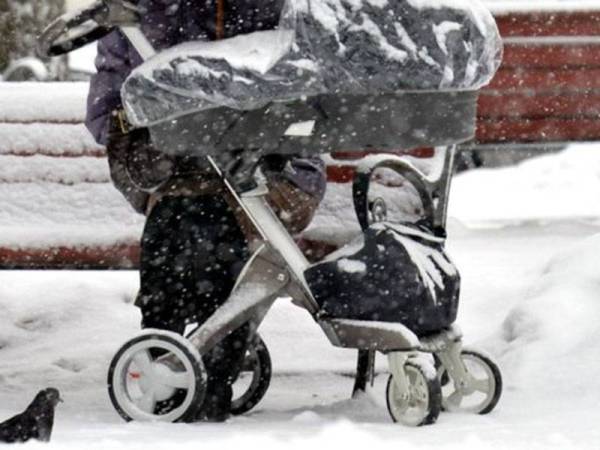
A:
(191, 255)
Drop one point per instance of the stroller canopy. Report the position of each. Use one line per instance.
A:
(339, 47)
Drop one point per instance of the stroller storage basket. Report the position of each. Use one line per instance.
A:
(325, 124)
(392, 273)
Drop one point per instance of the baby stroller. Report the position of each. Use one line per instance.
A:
(411, 318)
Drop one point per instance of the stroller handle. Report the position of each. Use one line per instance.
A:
(74, 30)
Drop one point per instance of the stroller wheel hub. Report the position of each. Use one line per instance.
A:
(156, 380)
(477, 382)
(167, 388)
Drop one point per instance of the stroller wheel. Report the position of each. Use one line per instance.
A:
(421, 404)
(254, 379)
(157, 376)
(480, 393)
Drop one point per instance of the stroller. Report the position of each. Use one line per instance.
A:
(410, 319)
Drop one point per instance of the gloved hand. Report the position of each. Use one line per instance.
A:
(147, 167)
(135, 167)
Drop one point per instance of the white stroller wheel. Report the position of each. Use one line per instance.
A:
(481, 391)
(421, 405)
(138, 380)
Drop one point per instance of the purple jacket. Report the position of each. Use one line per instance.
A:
(166, 23)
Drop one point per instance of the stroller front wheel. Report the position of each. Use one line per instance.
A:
(419, 403)
(157, 376)
(479, 393)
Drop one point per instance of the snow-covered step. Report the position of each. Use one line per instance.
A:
(43, 102)
(45, 169)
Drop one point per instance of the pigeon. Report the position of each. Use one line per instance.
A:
(33, 423)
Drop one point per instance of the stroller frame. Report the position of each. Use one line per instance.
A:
(137, 382)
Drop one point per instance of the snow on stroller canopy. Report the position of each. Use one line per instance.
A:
(323, 47)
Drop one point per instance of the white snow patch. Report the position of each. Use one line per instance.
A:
(190, 67)
(405, 39)
(47, 138)
(429, 262)
(83, 59)
(352, 266)
(43, 214)
(29, 102)
(46, 169)
(257, 51)
(560, 186)
(441, 31)
(301, 128)
(305, 64)
(307, 417)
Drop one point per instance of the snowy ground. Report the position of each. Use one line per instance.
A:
(526, 240)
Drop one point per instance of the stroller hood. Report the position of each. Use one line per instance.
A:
(337, 47)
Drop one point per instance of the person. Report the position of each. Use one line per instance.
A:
(193, 245)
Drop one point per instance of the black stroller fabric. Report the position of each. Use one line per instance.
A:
(359, 47)
(393, 273)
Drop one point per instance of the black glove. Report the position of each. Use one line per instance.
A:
(147, 167)
(130, 157)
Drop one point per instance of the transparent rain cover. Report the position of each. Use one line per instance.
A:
(323, 47)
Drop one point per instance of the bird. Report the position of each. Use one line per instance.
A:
(35, 422)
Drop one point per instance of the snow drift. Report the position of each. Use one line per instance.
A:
(556, 326)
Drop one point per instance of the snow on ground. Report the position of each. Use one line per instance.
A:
(530, 298)
(547, 188)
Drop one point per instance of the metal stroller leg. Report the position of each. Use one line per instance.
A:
(365, 371)
(260, 283)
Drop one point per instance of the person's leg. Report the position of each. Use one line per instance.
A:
(223, 364)
(220, 254)
(192, 252)
(162, 291)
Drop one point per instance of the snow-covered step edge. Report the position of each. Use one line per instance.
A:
(49, 169)
(47, 139)
(43, 102)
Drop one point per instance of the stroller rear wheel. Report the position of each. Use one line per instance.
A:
(254, 379)
(420, 403)
(153, 369)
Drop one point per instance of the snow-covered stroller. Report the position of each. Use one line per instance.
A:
(375, 81)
